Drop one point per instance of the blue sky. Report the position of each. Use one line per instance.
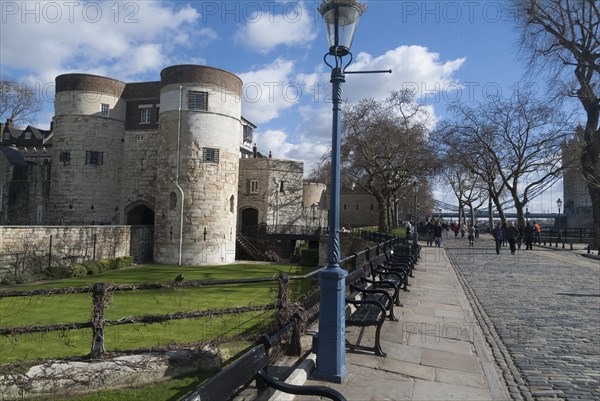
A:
(447, 50)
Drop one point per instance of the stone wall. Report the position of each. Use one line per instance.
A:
(73, 243)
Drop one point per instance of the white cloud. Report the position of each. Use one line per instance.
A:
(412, 67)
(268, 90)
(264, 31)
(276, 142)
(121, 39)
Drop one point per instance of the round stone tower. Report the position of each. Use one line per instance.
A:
(200, 132)
(87, 150)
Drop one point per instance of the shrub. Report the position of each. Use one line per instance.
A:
(92, 267)
(121, 262)
(104, 265)
(309, 257)
(77, 270)
(58, 271)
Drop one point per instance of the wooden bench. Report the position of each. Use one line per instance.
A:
(253, 365)
(385, 277)
(405, 257)
(369, 307)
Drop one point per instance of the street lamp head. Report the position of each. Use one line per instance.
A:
(559, 203)
(415, 186)
(341, 19)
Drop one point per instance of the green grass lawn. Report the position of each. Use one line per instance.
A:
(43, 310)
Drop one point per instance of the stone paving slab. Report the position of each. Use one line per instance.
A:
(434, 351)
(431, 391)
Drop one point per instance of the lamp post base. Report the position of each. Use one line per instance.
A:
(331, 339)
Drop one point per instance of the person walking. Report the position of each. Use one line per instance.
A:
(437, 234)
(471, 235)
(498, 234)
(537, 232)
(528, 234)
(511, 234)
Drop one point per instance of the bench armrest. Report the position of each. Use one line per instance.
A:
(375, 291)
(321, 391)
(357, 302)
(381, 283)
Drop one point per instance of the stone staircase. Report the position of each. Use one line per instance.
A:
(252, 249)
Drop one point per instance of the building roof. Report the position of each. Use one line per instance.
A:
(14, 156)
(17, 136)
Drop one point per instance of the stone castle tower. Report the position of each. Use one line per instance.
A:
(87, 148)
(164, 153)
(200, 132)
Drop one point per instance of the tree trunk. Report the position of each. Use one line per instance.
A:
(383, 228)
(595, 195)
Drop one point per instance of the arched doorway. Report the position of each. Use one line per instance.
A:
(140, 215)
(249, 222)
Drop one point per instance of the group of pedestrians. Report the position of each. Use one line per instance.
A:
(509, 233)
(434, 233)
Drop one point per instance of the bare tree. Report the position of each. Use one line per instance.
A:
(17, 102)
(462, 145)
(384, 147)
(563, 37)
(468, 188)
(518, 140)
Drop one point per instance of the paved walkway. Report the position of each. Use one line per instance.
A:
(436, 351)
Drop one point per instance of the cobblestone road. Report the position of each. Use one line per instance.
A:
(545, 307)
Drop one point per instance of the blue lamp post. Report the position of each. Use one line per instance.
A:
(415, 186)
(341, 19)
(559, 205)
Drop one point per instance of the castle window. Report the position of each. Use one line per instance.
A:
(231, 204)
(140, 138)
(6, 136)
(344, 206)
(357, 206)
(104, 110)
(96, 158)
(372, 207)
(253, 186)
(65, 157)
(281, 186)
(197, 100)
(145, 115)
(210, 155)
(172, 200)
(28, 135)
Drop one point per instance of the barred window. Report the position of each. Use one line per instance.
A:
(253, 186)
(104, 110)
(210, 155)
(96, 158)
(197, 100)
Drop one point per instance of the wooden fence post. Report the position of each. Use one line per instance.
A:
(50, 253)
(99, 299)
(284, 313)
